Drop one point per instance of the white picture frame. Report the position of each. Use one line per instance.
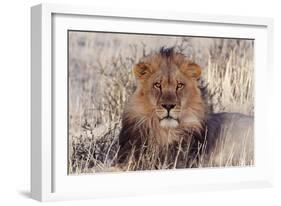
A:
(49, 179)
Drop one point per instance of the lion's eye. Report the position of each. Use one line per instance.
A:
(157, 85)
(180, 85)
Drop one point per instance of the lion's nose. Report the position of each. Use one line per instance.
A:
(168, 107)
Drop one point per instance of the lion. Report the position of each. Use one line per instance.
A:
(168, 116)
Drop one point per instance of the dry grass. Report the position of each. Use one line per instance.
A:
(101, 81)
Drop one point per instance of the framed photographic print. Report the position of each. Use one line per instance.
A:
(135, 102)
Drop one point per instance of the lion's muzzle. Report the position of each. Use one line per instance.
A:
(168, 116)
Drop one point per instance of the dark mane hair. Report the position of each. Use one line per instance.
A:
(166, 51)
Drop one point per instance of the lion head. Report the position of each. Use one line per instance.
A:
(167, 102)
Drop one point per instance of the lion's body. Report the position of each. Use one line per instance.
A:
(167, 112)
(230, 139)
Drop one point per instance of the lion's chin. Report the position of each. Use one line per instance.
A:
(169, 123)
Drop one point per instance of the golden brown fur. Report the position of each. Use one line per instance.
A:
(167, 116)
(166, 107)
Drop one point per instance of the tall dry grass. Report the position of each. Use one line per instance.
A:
(100, 82)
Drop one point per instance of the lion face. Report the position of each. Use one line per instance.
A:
(167, 88)
(167, 96)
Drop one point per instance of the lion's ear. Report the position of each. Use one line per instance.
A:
(141, 71)
(192, 70)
